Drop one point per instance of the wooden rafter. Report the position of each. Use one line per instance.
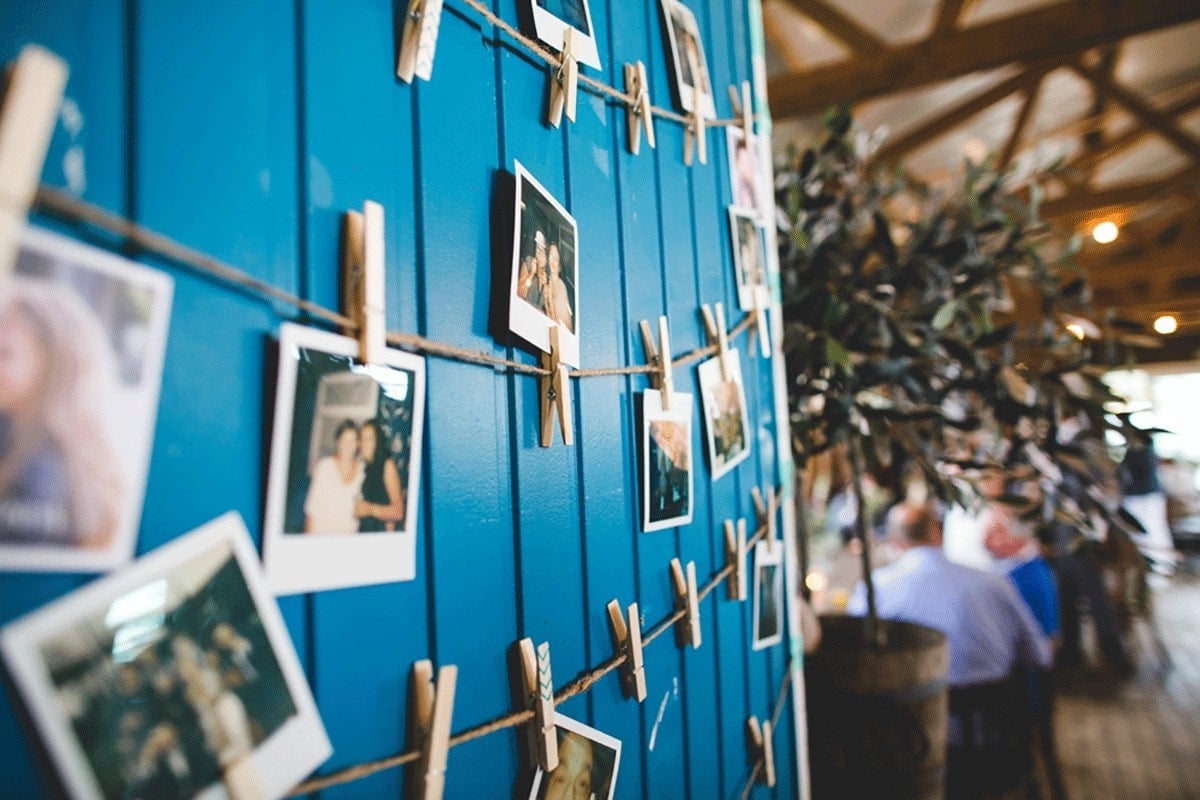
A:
(1107, 62)
(949, 13)
(839, 25)
(1032, 92)
(1061, 29)
(1150, 116)
(1084, 204)
(1131, 137)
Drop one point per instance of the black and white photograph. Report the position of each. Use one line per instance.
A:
(749, 257)
(169, 678)
(690, 67)
(668, 472)
(551, 18)
(751, 187)
(544, 291)
(768, 594)
(726, 419)
(82, 339)
(587, 765)
(342, 491)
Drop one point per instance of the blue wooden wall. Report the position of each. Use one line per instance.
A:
(246, 129)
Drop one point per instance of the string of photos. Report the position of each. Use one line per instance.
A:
(541, 312)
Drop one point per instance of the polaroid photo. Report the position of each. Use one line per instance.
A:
(768, 595)
(726, 418)
(668, 472)
(544, 290)
(692, 83)
(749, 257)
(552, 18)
(751, 189)
(170, 679)
(587, 765)
(83, 335)
(343, 486)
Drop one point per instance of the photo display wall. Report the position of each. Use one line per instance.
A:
(287, 527)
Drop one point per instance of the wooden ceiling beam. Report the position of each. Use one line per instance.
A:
(1032, 93)
(1131, 137)
(949, 13)
(1080, 203)
(1061, 29)
(1150, 116)
(839, 25)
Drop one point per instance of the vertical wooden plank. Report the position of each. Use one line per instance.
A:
(468, 492)
(357, 123)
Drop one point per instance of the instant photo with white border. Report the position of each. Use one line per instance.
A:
(597, 738)
(746, 286)
(297, 561)
(670, 481)
(754, 192)
(765, 559)
(711, 383)
(525, 319)
(688, 95)
(292, 751)
(550, 28)
(116, 398)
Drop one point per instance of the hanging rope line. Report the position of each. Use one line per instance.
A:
(60, 204)
(582, 683)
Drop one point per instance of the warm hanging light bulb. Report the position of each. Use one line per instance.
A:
(1076, 330)
(1166, 324)
(1106, 232)
(816, 582)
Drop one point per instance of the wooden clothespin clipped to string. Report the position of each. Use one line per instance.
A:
(627, 641)
(695, 141)
(539, 693)
(555, 391)
(735, 559)
(430, 710)
(419, 40)
(362, 280)
(660, 358)
(564, 82)
(760, 747)
(714, 329)
(639, 117)
(759, 329)
(32, 98)
(765, 512)
(742, 108)
(687, 629)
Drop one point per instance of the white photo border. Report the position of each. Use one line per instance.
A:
(293, 751)
(20, 558)
(550, 29)
(763, 204)
(733, 365)
(524, 319)
(590, 733)
(765, 556)
(681, 412)
(688, 94)
(746, 291)
(298, 564)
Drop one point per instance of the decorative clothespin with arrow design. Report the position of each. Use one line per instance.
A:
(418, 43)
(539, 694)
(564, 82)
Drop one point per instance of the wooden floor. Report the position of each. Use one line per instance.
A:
(1140, 737)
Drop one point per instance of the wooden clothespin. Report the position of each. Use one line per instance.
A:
(539, 692)
(362, 279)
(765, 512)
(687, 629)
(639, 118)
(696, 138)
(742, 108)
(36, 81)
(760, 747)
(760, 329)
(564, 82)
(714, 329)
(241, 780)
(735, 558)
(431, 708)
(660, 358)
(555, 393)
(419, 40)
(627, 641)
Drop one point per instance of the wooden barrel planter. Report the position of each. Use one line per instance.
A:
(877, 718)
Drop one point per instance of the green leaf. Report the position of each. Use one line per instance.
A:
(835, 353)
(945, 315)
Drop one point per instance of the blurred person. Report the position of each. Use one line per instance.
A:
(572, 778)
(336, 481)
(555, 298)
(1144, 499)
(381, 505)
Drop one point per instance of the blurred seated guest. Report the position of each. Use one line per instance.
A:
(990, 632)
(1144, 499)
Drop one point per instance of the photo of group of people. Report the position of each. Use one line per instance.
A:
(768, 594)
(545, 271)
(727, 422)
(587, 765)
(692, 84)
(667, 474)
(156, 682)
(82, 339)
(749, 257)
(342, 492)
(551, 19)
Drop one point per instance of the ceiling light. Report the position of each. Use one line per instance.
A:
(1166, 324)
(816, 582)
(1076, 330)
(1105, 232)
